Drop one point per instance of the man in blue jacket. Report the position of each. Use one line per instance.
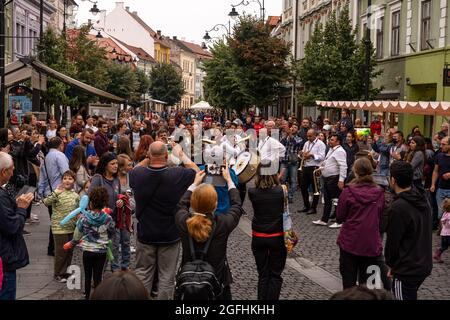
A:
(84, 140)
(13, 249)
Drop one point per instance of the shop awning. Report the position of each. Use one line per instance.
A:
(432, 108)
(155, 101)
(21, 70)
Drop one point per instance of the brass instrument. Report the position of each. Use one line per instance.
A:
(317, 174)
(302, 163)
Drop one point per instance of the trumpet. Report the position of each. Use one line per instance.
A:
(317, 174)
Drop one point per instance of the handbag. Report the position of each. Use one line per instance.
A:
(290, 236)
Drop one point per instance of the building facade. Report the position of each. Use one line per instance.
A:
(411, 40)
(65, 11)
(26, 25)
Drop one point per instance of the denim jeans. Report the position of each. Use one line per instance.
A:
(8, 291)
(441, 195)
(121, 240)
(290, 171)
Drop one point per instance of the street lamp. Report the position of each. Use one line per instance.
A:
(234, 14)
(207, 37)
(94, 10)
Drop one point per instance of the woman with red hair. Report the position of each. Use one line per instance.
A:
(144, 145)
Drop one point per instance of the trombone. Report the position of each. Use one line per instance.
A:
(317, 174)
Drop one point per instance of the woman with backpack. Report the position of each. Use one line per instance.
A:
(268, 246)
(204, 229)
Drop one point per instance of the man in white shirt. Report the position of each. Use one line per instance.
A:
(313, 154)
(334, 172)
(90, 124)
(269, 146)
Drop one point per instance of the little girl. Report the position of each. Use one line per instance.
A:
(85, 189)
(445, 232)
(63, 200)
(94, 231)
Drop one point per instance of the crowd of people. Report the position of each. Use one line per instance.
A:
(149, 167)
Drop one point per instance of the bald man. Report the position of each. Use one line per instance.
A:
(157, 191)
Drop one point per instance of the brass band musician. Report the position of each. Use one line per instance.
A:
(313, 154)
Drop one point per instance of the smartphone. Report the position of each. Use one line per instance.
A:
(214, 169)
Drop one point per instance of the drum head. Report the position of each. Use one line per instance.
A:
(242, 162)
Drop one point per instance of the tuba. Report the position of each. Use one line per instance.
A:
(317, 174)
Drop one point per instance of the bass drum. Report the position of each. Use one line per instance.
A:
(245, 167)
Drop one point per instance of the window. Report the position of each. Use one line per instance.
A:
(395, 34)
(380, 31)
(425, 28)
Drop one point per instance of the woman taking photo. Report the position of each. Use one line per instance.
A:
(202, 198)
(78, 165)
(416, 156)
(268, 246)
(359, 210)
(62, 133)
(142, 150)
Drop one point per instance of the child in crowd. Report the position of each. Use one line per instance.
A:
(63, 201)
(85, 189)
(445, 232)
(94, 231)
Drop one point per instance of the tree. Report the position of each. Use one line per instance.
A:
(53, 53)
(222, 85)
(122, 81)
(166, 84)
(334, 63)
(260, 60)
(143, 85)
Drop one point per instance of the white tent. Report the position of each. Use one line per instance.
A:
(202, 105)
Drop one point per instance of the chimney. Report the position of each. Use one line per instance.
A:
(89, 21)
(127, 8)
(135, 13)
(175, 38)
(158, 32)
(119, 5)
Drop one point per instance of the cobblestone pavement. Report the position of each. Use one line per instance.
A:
(317, 247)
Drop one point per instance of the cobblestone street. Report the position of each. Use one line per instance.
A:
(311, 273)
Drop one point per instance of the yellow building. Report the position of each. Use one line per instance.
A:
(162, 48)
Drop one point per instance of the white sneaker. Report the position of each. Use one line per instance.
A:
(319, 223)
(335, 226)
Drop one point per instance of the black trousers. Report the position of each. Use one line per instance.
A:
(330, 191)
(305, 184)
(51, 242)
(270, 256)
(242, 187)
(353, 268)
(405, 290)
(93, 263)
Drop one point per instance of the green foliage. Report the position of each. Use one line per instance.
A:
(249, 70)
(166, 84)
(121, 80)
(334, 63)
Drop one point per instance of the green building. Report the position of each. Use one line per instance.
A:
(411, 38)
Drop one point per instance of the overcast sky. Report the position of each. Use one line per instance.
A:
(187, 19)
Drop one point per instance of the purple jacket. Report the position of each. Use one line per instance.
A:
(101, 143)
(359, 209)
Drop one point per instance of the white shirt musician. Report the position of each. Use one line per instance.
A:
(314, 150)
(334, 172)
(269, 147)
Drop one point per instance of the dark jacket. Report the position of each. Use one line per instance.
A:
(268, 207)
(157, 192)
(408, 249)
(101, 143)
(225, 224)
(351, 152)
(359, 209)
(13, 249)
(23, 152)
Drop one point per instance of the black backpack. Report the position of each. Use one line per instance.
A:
(196, 280)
